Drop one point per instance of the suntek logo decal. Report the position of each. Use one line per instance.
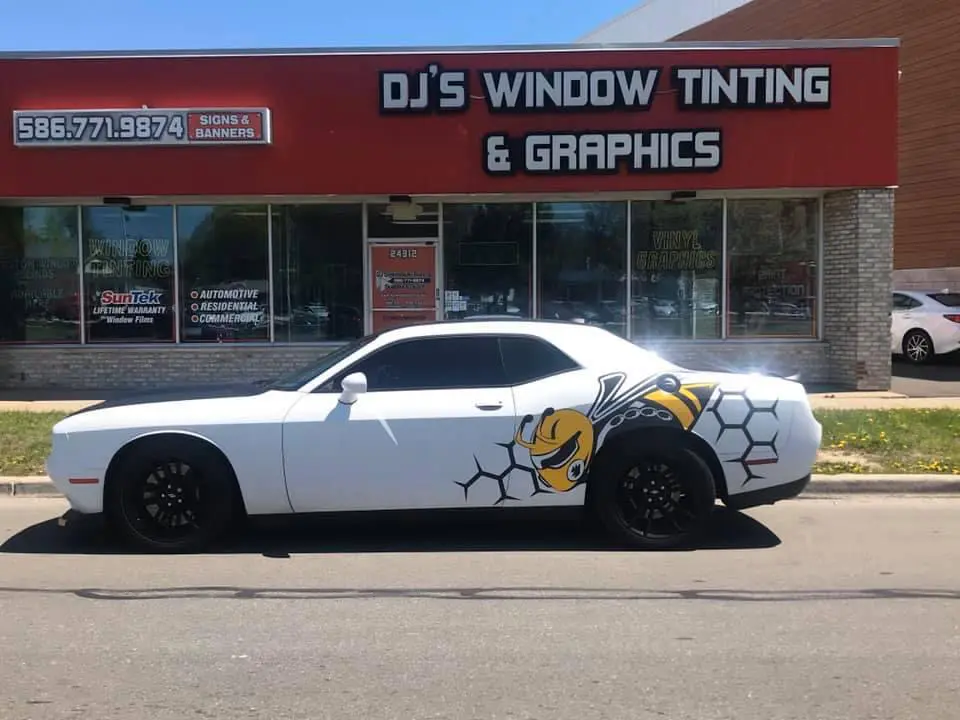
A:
(138, 297)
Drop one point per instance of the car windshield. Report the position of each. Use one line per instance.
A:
(948, 299)
(299, 378)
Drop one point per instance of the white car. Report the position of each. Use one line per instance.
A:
(457, 414)
(925, 324)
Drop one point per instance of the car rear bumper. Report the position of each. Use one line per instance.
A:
(767, 495)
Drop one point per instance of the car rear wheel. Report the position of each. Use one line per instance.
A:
(171, 494)
(655, 497)
(918, 347)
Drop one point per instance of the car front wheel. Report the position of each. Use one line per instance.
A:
(171, 494)
(655, 498)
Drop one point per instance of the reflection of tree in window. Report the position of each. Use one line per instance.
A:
(581, 256)
(39, 287)
(772, 267)
(676, 269)
(487, 259)
(318, 272)
(223, 261)
(128, 273)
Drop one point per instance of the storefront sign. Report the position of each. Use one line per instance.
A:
(129, 307)
(404, 285)
(226, 307)
(717, 117)
(403, 276)
(639, 150)
(677, 250)
(163, 127)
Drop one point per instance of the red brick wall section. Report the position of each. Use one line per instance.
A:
(927, 230)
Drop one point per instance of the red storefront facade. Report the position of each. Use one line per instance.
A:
(168, 218)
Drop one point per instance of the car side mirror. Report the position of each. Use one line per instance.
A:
(352, 386)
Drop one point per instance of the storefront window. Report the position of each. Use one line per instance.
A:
(128, 274)
(223, 273)
(487, 259)
(772, 253)
(403, 220)
(676, 248)
(582, 262)
(318, 272)
(39, 278)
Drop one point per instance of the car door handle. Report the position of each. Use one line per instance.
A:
(489, 406)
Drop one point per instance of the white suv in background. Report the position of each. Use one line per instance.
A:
(925, 324)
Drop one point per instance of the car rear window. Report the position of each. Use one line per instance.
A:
(948, 299)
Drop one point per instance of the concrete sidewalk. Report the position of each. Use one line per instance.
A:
(821, 485)
(66, 402)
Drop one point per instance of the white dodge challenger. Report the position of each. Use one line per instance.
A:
(464, 414)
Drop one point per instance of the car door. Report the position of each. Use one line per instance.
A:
(434, 410)
(901, 319)
(551, 448)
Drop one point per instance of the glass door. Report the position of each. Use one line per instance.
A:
(403, 283)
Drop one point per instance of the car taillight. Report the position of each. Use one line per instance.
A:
(953, 318)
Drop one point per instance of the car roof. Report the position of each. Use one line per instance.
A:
(927, 292)
(484, 325)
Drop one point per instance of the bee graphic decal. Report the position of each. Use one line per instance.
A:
(565, 441)
(561, 447)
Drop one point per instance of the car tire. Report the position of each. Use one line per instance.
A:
(171, 494)
(918, 347)
(654, 497)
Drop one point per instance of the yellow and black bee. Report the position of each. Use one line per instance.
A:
(565, 441)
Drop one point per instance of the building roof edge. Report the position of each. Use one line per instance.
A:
(451, 50)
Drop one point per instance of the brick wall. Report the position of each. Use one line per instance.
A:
(103, 368)
(809, 359)
(857, 283)
(947, 278)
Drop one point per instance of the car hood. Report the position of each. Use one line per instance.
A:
(177, 394)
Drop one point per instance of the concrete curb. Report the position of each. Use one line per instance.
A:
(37, 486)
(821, 485)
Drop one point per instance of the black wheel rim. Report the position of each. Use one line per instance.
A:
(653, 502)
(166, 504)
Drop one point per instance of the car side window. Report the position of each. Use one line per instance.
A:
(904, 302)
(437, 363)
(526, 359)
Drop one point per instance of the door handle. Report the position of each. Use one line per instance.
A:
(489, 406)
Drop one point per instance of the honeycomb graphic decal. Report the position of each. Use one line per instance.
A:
(501, 477)
(748, 428)
(562, 443)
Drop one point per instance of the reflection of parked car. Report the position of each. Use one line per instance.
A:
(709, 307)
(664, 308)
(925, 324)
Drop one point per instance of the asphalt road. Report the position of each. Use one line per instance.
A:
(812, 610)
(941, 378)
